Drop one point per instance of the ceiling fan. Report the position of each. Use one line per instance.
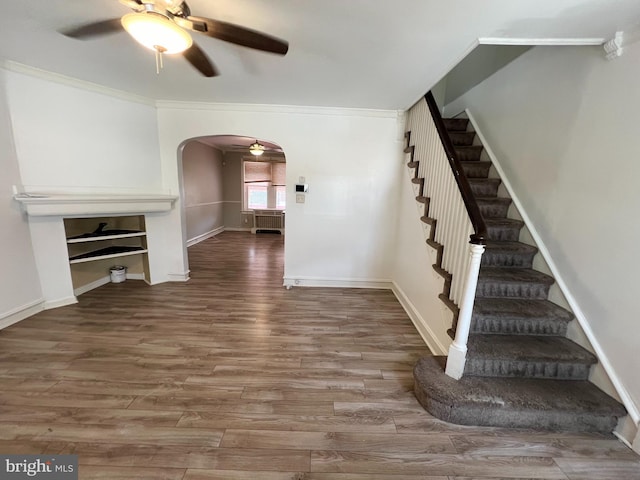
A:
(163, 26)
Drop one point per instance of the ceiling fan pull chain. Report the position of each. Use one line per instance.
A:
(158, 62)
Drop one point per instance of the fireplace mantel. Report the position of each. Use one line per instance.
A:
(43, 204)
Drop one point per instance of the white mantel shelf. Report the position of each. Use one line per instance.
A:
(41, 205)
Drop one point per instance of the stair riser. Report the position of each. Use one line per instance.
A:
(510, 368)
(497, 259)
(491, 210)
(492, 415)
(503, 233)
(462, 139)
(484, 189)
(476, 171)
(514, 402)
(493, 289)
(456, 124)
(508, 326)
(469, 154)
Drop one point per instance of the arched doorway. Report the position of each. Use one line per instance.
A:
(224, 185)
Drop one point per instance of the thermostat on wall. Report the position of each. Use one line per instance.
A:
(302, 188)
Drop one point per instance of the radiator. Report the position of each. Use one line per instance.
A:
(268, 220)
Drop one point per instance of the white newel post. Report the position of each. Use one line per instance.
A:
(458, 349)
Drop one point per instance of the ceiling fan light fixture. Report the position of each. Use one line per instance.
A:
(256, 149)
(157, 32)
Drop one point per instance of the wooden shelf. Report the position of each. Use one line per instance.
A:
(107, 252)
(97, 238)
(97, 243)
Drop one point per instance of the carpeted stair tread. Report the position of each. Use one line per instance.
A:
(544, 404)
(519, 316)
(503, 229)
(527, 356)
(493, 206)
(476, 168)
(513, 282)
(462, 138)
(508, 254)
(456, 124)
(484, 187)
(471, 153)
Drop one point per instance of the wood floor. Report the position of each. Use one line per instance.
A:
(230, 376)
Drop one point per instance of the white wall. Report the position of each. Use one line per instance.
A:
(416, 284)
(19, 283)
(70, 138)
(563, 124)
(80, 140)
(481, 63)
(202, 177)
(344, 233)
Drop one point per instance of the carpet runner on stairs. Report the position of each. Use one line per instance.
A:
(521, 370)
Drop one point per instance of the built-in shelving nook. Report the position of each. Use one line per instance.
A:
(95, 244)
(78, 238)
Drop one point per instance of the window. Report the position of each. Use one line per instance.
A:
(281, 197)
(264, 185)
(257, 196)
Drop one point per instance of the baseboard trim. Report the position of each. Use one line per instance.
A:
(233, 229)
(103, 281)
(628, 433)
(626, 399)
(419, 322)
(336, 283)
(90, 286)
(204, 236)
(20, 313)
(178, 277)
(61, 302)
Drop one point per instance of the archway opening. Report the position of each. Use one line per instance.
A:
(227, 188)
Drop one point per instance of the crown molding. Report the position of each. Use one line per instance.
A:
(16, 67)
(541, 41)
(286, 109)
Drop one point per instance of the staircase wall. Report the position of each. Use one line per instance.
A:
(562, 123)
(415, 283)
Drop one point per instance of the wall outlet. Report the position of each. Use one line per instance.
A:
(300, 198)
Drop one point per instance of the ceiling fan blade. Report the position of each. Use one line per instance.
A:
(96, 29)
(231, 33)
(134, 4)
(196, 57)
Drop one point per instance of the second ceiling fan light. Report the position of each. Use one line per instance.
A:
(256, 149)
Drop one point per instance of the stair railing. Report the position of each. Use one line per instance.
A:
(461, 229)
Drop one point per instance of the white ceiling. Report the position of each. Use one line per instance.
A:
(343, 53)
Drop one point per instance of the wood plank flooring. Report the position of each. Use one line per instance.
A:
(232, 377)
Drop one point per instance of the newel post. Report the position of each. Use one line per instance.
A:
(458, 349)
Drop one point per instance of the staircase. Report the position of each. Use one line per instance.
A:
(521, 370)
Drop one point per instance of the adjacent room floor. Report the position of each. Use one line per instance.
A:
(230, 376)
